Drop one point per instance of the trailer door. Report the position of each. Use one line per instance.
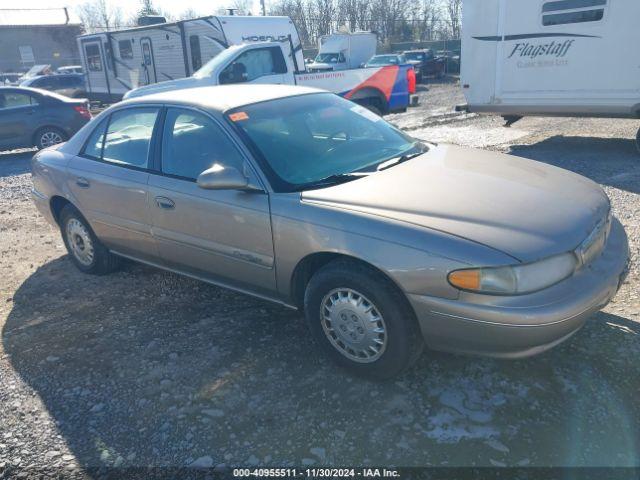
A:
(148, 63)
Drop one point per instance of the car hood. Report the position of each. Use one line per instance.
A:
(188, 82)
(526, 209)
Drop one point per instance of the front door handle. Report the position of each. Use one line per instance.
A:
(82, 182)
(166, 203)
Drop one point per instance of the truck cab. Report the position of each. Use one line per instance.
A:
(382, 89)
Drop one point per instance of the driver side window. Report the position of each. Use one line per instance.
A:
(253, 64)
(193, 143)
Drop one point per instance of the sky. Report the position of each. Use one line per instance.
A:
(129, 7)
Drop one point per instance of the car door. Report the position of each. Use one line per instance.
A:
(219, 235)
(257, 65)
(109, 178)
(18, 118)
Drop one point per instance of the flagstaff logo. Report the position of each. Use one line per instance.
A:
(553, 49)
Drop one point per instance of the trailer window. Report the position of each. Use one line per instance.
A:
(196, 55)
(564, 12)
(94, 61)
(126, 49)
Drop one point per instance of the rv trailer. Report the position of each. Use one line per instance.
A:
(551, 58)
(119, 61)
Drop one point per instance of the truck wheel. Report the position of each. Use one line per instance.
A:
(372, 108)
(361, 320)
(85, 250)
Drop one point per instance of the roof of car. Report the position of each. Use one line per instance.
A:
(225, 97)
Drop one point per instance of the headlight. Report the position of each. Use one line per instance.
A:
(515, 279)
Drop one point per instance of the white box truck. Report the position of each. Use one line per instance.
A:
(116, 62)
(343, 51)
(551, 57)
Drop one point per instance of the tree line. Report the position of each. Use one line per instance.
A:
(392, 20)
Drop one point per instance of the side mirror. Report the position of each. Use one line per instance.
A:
(220, 177)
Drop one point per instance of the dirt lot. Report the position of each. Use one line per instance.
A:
(147, 368)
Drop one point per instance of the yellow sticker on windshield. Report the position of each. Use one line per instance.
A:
(236, 117)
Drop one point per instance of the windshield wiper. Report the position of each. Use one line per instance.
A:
(392, 162)
(333, 180)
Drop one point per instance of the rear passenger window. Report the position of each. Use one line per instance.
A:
(193, 143)
(563, 12)
(13, 100)
(93, 147)
(128, 136)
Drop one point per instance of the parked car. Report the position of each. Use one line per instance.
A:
(69, 85)
(70, 69)
(35, 71)
(451, 59)
(301, 197)
(426, 63)
(9, 78)
(30, 117)
(386, 60)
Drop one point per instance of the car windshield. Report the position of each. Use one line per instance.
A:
(384, 60)
(311, 141)
(328, 58)
(414, 55)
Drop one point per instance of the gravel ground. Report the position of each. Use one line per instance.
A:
(146, 368)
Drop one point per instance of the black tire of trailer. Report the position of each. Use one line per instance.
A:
(372, 99)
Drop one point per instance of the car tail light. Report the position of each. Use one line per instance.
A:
(411, 80)
(83, 111)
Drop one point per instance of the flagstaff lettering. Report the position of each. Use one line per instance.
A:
(533, 51)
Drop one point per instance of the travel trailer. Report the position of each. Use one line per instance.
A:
(342, 51)
(116, 62)
(551, 57)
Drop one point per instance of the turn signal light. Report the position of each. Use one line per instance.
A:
(465, 279)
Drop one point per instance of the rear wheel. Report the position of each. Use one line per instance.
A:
(84, 248)
(49, 136)
(361, 320)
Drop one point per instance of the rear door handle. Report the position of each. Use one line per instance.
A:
(82, 182)
(166, 203)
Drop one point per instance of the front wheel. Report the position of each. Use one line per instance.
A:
(84, 248)
(361, 320)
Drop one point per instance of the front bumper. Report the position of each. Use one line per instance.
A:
(524, 325)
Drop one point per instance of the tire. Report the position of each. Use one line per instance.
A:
(372, 108)
(354, 296)
(87, 253)
(48, 136)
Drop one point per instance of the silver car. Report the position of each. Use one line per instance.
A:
(303, 198)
